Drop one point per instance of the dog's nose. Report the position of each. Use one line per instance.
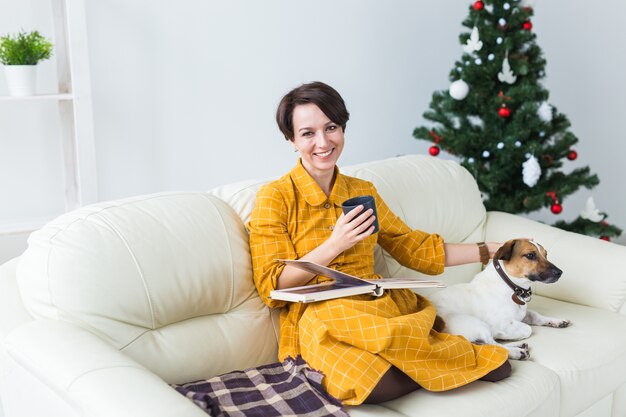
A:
(556, 272)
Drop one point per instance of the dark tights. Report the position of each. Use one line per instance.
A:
(396, 383)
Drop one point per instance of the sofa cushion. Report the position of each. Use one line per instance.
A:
(589, 356)
(166, 278)
(530, 391)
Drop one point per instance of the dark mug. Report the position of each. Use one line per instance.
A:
(367, 201)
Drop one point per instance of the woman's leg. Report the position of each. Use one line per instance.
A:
(396, 383)
(504, 371)
(392, 385)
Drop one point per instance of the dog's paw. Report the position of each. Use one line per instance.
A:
(519, 352)
(560, 324)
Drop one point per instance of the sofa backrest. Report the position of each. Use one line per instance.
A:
(165, 278)
(429, 194)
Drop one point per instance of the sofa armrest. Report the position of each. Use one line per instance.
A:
(594, 271)
(90, 375)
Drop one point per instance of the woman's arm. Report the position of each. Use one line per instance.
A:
(349, 230)
(465, 253)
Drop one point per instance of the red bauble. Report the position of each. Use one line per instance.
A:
(504, 112)
(434, 150)
(527, 25)
(608, 239)
(572, 155)
(556, 208)
(479, 5)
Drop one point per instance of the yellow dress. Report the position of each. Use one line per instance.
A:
(355, 340)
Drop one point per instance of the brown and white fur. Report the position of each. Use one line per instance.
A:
(483, 311)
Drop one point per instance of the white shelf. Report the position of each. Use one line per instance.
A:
(75, 111)
(39, 97)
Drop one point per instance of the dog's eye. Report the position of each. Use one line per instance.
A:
(531, 255)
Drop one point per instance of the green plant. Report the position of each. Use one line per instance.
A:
(24, 48)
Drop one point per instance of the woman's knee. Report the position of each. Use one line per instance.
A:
(392, 385)
(498, 374)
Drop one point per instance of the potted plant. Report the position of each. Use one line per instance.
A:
(20, 54)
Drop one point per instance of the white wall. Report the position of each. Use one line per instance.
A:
(185, 92)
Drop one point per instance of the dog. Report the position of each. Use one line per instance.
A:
(489, 309)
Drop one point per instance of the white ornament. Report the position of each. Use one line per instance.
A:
(491, 57)
(458, 90)
(486, 154)
(475, 121)
(545, 112)
(473, 43)
(506, 6)
(506, 75)
(499, 40)
(591, 212)
(501, 21)
(518, 144)
(531, 171)
(478, 61)
(500, 145)
(470, 160)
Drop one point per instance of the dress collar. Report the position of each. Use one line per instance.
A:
(311, 191)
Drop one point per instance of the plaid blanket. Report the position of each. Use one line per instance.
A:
(290, 388)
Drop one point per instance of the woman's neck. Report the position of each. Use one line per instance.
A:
(325, 180)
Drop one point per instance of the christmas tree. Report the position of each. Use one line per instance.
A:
(496, 119)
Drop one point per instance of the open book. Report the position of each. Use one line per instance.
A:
(344, 285)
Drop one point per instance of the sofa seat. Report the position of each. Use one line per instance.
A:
(531, 390)
(589, 356)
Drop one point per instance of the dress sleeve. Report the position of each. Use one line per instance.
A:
(413, 249)
(269, 240)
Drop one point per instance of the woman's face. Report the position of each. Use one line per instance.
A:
(319, 140)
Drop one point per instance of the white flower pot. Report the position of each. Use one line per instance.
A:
(21, 79)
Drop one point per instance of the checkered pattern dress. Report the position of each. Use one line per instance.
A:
(355, 340)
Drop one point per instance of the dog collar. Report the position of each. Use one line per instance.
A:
(520, 295)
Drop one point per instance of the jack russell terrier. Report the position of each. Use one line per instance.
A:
(493, 305)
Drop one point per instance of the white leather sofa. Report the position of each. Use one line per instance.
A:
(112, 302)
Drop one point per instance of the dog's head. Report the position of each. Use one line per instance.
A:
(527, 259)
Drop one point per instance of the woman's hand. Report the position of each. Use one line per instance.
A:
(352, 228)
(493, 248)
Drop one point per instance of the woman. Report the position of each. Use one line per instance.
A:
(370, 349)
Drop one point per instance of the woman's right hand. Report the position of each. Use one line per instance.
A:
(352, 228)
(349, 230)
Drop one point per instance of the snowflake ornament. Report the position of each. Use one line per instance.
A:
(545, 112)
(475, 121)
(473, 43)
(506, 75)
(591, 212)
(531, 171)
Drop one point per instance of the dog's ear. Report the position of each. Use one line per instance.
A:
(506, 251)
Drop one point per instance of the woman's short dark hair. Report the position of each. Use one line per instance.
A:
(322, 95)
